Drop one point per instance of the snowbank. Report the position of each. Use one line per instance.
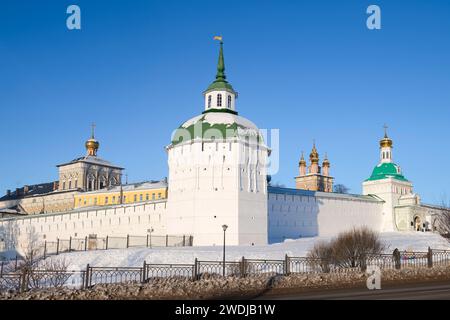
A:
(411, 241)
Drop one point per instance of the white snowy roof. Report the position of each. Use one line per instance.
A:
(91, 160)
(221, 118)
(146, 185)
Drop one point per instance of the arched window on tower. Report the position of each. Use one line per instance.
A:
(209, 101)
(219, 100)
(229, 102)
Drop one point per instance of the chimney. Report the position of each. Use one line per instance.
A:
(25, 189)
(55, 185)
(17, 192)
(8, 193)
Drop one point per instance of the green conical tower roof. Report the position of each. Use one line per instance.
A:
(220, 82)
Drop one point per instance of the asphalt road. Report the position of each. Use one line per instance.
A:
(410, 291)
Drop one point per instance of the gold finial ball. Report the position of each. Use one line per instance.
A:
(92, 146)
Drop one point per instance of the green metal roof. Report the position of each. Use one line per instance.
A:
(387, 170)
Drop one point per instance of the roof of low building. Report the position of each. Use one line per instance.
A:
(309, 193)
(91, 160)
(33, 190)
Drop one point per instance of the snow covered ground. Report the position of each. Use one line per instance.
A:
(411, 241)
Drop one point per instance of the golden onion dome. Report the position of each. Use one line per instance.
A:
(326, 162)
(302, 161)
(314, 155)
(92, 144)
(386, 142)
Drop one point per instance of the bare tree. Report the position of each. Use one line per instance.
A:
(340, 188)
(32, 250)
(269, 180)
(8, 235)
(8, 245)
(441, 222)
(278, 185)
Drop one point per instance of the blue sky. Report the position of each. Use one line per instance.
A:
(309, 68)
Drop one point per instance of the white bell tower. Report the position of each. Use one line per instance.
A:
(388, 183)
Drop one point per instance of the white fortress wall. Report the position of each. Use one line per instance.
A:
(119, 220)
(339, 212)
(297, 213)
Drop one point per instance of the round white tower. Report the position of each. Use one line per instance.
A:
(217, 172)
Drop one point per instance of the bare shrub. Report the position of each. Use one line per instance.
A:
(350, 249)
(321, 256)
(52, 273)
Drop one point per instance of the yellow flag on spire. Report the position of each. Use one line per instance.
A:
(218, 38)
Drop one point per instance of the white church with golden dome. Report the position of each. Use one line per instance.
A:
(218, 176)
